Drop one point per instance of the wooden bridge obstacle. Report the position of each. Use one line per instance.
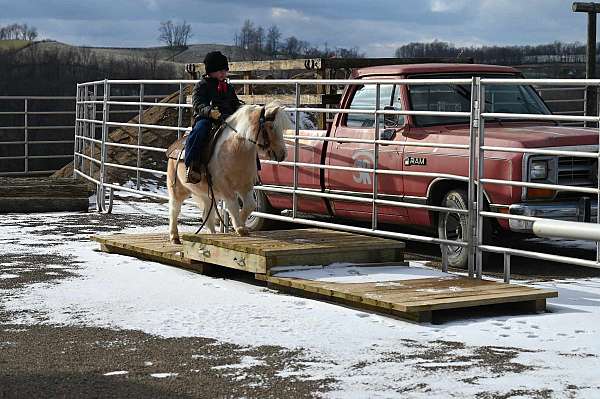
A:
(265, 253)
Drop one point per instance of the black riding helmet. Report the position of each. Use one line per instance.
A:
(215, 61)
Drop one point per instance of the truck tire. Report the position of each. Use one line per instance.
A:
(255, 223)
(452, 226)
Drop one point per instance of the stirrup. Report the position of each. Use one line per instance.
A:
(191, 176)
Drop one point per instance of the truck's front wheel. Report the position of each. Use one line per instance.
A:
(454, 226)
(256, 223)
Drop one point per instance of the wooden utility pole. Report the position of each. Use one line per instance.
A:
(591, 99)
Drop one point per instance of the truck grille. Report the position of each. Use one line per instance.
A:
(573, 171)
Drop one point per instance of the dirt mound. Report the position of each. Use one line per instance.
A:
(163, 116)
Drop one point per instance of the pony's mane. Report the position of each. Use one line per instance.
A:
(242, 121)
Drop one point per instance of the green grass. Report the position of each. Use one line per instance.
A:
(13, 44)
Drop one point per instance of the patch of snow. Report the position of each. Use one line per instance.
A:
(245, 362)
(345, 273)
(164, 375)
(120, 372)
(6, 276)
(355, 348)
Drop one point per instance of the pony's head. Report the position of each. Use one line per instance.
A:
(271, 126)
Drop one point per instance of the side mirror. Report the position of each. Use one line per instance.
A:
(392, 121)
(387, 134)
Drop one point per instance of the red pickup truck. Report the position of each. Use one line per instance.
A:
(442, 191)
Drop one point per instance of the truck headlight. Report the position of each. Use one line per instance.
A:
(538, 170)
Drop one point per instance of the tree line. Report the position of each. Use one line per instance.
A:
(36, 70)
(18, 32)
(507, 55)
(258, 42)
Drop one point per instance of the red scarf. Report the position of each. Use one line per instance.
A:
(222, 87)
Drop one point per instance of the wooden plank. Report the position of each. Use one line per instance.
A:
(480, 300)
(300, 240)
(43, 204)
(267, 65)
(479, 293)
(224, 257)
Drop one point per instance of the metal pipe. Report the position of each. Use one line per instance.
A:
(375, 186)
(471, 195)
(296, 152)
(105, 116)
(26, 135)
(571, 230)
(506, 267)
(139, 137)
(93, 129)
(480, 173)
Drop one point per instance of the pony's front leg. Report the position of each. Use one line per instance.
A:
(233, 207)
(249, 206)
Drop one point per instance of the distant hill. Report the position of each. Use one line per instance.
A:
(191, 53)
(13, 44)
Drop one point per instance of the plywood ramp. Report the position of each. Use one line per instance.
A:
(43, 194)
(154, 247)
(261, 251)
(417, 299)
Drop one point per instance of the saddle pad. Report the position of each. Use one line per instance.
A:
(206, 152)
(176, 148)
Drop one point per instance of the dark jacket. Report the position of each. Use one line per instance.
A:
(205, 97)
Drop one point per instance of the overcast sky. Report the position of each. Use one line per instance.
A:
(377, 27)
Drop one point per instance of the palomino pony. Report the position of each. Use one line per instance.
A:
(250, 130)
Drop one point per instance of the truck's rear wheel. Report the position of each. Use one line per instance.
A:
(454, 226)
(256, 223)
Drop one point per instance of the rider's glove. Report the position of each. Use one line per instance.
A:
(215, 114)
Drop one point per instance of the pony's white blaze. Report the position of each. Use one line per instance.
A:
(232, 166)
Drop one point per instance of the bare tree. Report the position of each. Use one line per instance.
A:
(182, 33)
(18, 32)
(167, 33)
(173, 35)
(272, 40)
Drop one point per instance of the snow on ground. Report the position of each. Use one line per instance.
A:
(556, 353)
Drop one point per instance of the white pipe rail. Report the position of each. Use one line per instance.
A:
(563, 229)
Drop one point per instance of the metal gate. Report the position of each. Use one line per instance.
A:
(91, 154)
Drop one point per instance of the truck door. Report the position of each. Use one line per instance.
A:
(362, 126)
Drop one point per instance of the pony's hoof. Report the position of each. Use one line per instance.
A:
(242, 231)
(176, 241)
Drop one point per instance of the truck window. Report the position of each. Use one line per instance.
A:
(364, 98)
(518, 99)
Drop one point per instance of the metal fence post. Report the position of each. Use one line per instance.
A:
(75, 132)
(105, 116)
(93, 132)
(472, 217)
(374, 210)
(296, 152)
(480, 175)
(180, 101)
(139, 137)
(26, 135)
(598, 181)
(506, 267)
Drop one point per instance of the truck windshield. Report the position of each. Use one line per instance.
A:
(514, 99)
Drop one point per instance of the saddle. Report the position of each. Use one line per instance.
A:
(200, 165)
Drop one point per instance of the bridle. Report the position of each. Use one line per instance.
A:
(262, 120)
